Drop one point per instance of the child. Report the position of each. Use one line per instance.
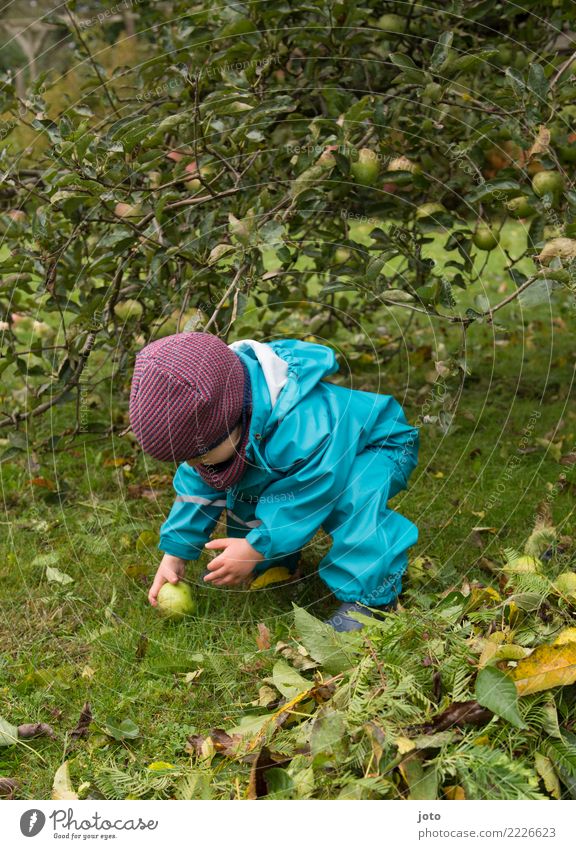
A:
(258, 432)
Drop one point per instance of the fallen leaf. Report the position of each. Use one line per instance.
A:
(8, 787)
(545, 770)
(139, 490)
(288, 681)
(547, 666)
(258, 783)
(55, 576)
(275, 575)
(217, 741)
(263, 638)
(566, 635)
(35, 729)
(62, 788)
(325, 645)
(125, 730)
(297, 656)
(454, 792)
(8, 733)
(267, 696)
(81, 729)
(116, 462)
(568, 459)
(190, 677)
(495, 691)
(404, 745)
(44, 483)
(87, 673)
(457, 715)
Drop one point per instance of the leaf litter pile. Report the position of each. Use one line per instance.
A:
(470, 696)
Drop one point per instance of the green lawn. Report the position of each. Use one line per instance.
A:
(96, 639)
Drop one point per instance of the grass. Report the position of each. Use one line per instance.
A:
(96, 639)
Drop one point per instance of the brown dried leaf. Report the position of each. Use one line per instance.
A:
(568, 459)
(217, 741)
(8, 787)
(457, 715)
(541, 143)
(257, 785)
(140, 490)
(81, 729)
(35, 729)
(44, 483)
(263, 638)
(561, 247)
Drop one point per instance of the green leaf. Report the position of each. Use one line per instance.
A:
(54, 575)
(328, 735)
(324, 644)
(441, 51)
(497, 692)
(288, 681)
(401, 60)
(537, 81)
(494, 190)
(8, 733)
(125, 730)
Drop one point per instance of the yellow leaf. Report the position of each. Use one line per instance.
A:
(62, 786)
(484, 740)
(158, 766)
(545, 770)
(567, 635)
(454, 792)
(404, 745)
(275, 575)
(548, 666)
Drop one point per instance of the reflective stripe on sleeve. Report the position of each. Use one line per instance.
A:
(198, 499)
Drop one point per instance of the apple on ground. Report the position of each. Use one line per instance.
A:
(175, 601)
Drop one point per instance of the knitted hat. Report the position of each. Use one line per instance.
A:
(189, 392)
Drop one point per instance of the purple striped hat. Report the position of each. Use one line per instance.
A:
(189, 392)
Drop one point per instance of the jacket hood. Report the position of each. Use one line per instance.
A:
(282, 374)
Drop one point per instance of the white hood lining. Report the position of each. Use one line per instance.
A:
(275, 369)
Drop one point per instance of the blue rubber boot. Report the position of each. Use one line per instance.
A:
(342, 622)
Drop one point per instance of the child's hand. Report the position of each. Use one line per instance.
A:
(236, 562)
(171, 569)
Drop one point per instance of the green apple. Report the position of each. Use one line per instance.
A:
(520, 207)
(127, 210)
(129, 308)
(392, 23)
(175, 601)
(485, 238)
(548, 182)
(365, 169)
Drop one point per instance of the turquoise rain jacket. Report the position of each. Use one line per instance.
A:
(318, 455)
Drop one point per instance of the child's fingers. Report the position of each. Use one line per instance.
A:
(155, 589)
(171, 576)
(218, 543)
(216, 563)
(217, 575)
